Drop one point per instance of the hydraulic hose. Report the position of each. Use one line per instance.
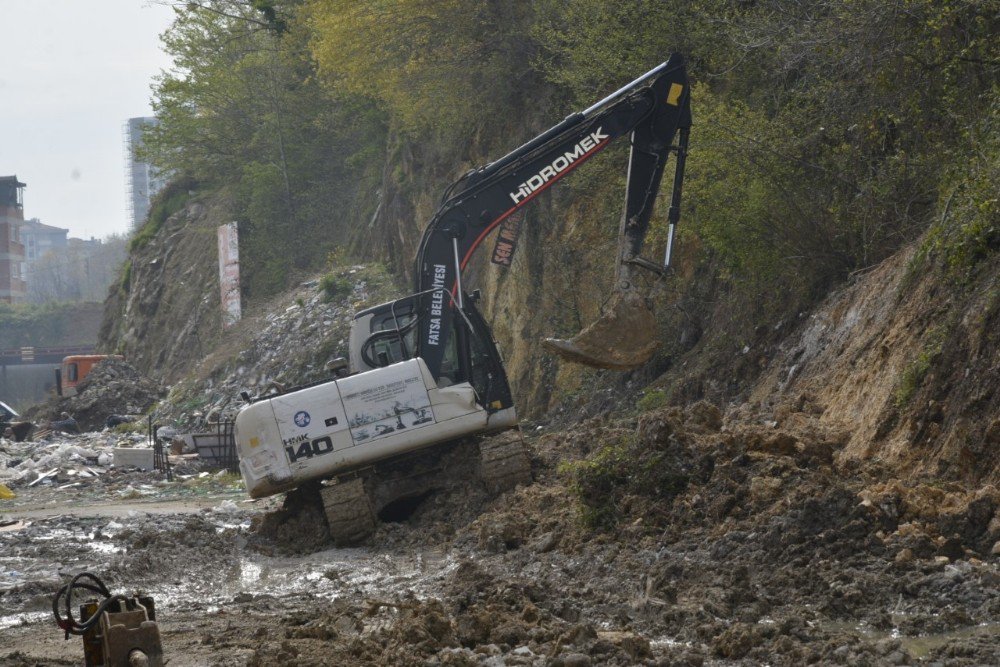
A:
(65, 594)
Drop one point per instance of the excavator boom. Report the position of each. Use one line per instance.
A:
(651, 109)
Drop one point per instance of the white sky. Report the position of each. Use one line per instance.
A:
(71, 73)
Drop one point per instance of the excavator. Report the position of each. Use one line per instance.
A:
(424, 371)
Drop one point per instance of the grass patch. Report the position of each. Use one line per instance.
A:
(125, 282)
(625, 474)
(335, 287)
(914, 374)
(652, 399)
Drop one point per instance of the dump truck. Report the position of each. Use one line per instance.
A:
(74, 368)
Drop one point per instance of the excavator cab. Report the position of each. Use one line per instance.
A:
(387, 334)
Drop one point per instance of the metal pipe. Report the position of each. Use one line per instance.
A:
(629, 86)
(670, 246)
(674, 215)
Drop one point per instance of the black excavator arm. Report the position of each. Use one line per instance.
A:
(654, 109)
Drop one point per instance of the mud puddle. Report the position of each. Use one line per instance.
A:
(196, 566)
(919, 646)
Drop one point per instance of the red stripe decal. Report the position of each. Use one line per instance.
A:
(493, 225)
(583, 158)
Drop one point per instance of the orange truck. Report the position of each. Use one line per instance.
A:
(76, 367)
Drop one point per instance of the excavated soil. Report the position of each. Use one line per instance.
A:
(845, 514)
(733, 542)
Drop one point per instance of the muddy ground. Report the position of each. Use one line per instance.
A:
(675, 539)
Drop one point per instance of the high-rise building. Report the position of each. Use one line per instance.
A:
(142, 180)
(12, 262)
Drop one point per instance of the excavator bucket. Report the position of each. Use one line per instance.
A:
(623, 338)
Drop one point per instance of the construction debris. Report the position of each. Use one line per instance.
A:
(112, 389)
(64, 461)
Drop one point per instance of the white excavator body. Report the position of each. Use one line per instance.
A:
(344, 424)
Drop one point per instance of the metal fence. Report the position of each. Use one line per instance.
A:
(217, 446)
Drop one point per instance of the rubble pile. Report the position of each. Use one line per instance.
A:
(113, 387)
(289, 346)
(66, 460)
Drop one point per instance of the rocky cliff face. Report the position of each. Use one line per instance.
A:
(905, 360)
(165, 316)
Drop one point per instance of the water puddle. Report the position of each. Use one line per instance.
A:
(329, 574)
(26, 618)
(921, 646)
(918, 646)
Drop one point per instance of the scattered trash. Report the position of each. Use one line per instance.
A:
(44, 476)
(9, 526)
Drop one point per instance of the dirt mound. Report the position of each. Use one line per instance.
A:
(113, 387)
(904, 360)
(158, 550)
(297, 527)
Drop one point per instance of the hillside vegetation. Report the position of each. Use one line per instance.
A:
(828, 135)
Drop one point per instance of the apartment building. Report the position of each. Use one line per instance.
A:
(142, 180)
(12, 260)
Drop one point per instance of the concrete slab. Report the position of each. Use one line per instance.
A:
(135, 457)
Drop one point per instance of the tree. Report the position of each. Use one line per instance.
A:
(242, 110)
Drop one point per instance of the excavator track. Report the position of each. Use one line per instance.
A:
(349, 515)
(353, 503)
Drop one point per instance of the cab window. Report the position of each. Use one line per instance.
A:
(392, 338)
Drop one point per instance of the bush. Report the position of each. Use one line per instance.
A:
(914, 374)
(652, 399)
(335, 287)
(628, 476)
(169, 201)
